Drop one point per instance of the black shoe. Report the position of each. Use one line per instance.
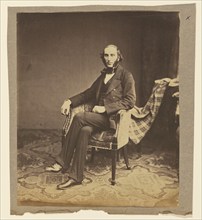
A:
(69, 183)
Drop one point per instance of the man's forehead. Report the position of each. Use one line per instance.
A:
(110, 49)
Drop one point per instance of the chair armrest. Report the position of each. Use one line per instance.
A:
(70, 116)
(122, 130)
(87, 107)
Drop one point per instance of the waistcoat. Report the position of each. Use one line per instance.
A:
(103, 91)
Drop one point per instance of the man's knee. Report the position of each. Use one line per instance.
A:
(87, 130)
(79, 116)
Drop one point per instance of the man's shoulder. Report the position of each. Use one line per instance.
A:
(123, 71)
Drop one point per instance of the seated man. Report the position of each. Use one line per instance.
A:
(113, 90)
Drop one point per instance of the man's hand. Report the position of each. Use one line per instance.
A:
(99, 109)
(66, 107)
(176, 95)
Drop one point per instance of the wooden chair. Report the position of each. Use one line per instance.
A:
(109, 140)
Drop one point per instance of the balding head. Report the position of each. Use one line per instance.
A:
(111, 46)
(111, 55)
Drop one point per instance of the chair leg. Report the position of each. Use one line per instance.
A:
(125, 155)
(92, 154)
(118, 156)
(114, 158)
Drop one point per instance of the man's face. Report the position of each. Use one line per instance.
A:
(110, 56)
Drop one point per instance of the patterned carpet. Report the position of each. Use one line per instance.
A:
(152, 181)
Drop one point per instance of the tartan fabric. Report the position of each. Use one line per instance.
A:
(143, 118)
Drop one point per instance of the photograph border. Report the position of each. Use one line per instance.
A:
(186, 66)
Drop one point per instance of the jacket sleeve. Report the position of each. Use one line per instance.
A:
(85, 96)
(128, 99)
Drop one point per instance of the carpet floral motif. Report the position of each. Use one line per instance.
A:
(151, 182)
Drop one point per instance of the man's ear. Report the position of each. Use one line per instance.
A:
(118, 57)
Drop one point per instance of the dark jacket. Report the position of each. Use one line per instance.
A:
(120, 94)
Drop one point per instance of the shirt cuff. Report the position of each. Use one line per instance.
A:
(68, 101)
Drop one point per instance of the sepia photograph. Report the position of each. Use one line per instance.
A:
(114, 78)
(95, 93)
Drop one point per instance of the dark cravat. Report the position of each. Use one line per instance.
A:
(109, 70)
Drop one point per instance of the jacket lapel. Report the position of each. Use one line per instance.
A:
(115, 80)
(99, 86)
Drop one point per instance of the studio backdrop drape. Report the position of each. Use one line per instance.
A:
(159, 57)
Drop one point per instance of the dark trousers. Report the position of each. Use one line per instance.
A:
(75, 143)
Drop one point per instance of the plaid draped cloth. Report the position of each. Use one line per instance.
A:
(143, 118)
(139, 121)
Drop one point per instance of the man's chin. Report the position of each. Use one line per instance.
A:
(110, 66)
